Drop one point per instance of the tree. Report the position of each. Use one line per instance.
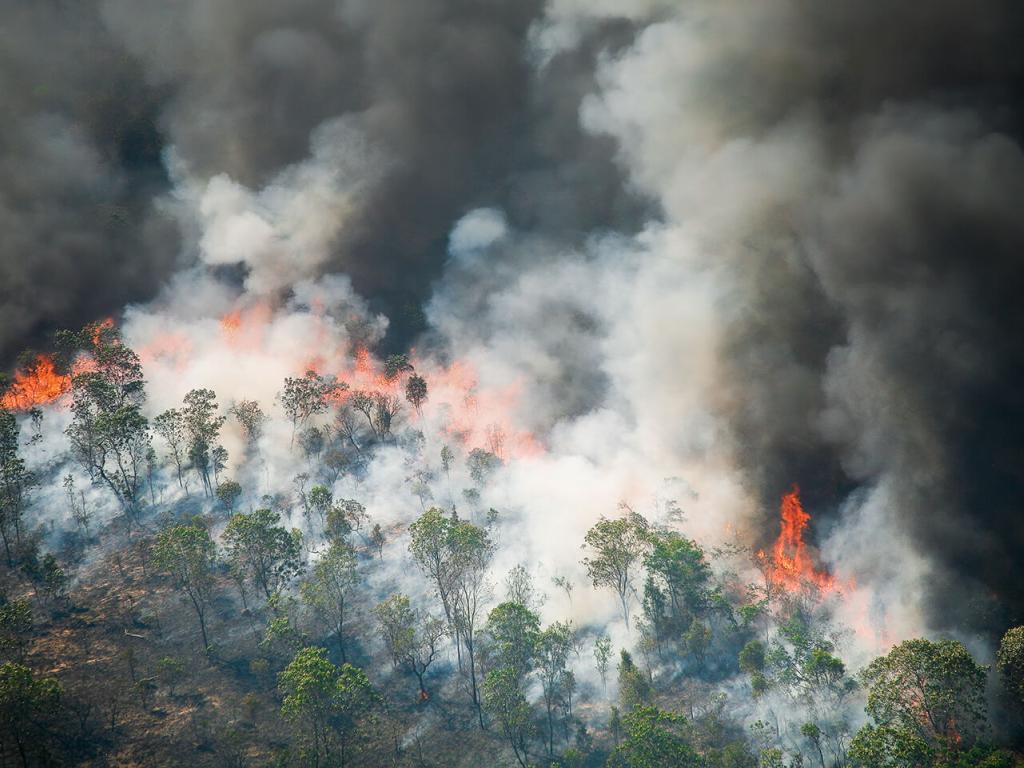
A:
(329, 589)
(319, 500)
(15, 629)
(108, 433)
(416, 391)
(618, 546)
(430, 545)
(396, 365)
(202, 426)
(505, 702)
(251, 418)
(471, 552)
(377, 540)
(308, 396)
(267, 552)
(654, 739)
(325, 703)
(170, 425)
(514, 633)
(553, 648)
(634, 687)
(411, 636)
(189, 555)
(25, 703)
(228, 493)
(602, 655)
(482, 464)
(15, 482)
(924, 698)
(519, 588)
(378, 408)
(676, 591)
(1010, 662)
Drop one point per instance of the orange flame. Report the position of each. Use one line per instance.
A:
(790, 565)
(35, 385)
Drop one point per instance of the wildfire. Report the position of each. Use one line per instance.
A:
(790, 565)
(35, 385)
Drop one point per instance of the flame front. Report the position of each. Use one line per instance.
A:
(37, 384)
(790, 565)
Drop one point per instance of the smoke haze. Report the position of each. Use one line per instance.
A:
(742, 245)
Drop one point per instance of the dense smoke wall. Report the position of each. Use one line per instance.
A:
(748, 244)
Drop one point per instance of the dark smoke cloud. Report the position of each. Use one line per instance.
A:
(875, 333)
(79, 166)
(444, 88)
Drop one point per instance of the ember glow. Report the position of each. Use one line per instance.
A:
(790, 566)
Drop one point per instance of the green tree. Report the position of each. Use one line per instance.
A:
(250, 417)
(15, 629)
(412, 637)
(654, 739)
(676, 591)
(618, 546)
(553, 647)
(634, 686)
(109, 436)
(256, 545)
(228, 493)
(302, 398)
(170, 425)
(924, 697)
(505, 702)
(603, 655)
(396, 365)
(202, 426)
(26, 702)
(330, 588)
(326, 704)
(513, 631)
(416, 391)
(15, 482)
(1010, 662)
(189, 555)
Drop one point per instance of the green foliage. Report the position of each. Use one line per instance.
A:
(603, 655)
(329, 589)
(924, 698)
(26, 703)
(751, 657)
(412, 637)
(15, 629)
(482, 465)
(326, 704)
(416, 391)
(15, 482)
(170, 672)
(634, 685)
(1010, 662)
(109, 436)
(257, 546)
(654, 739)
(514, 632)
(618, 546)
(188, 554)
(228, 493)
(307, 396)
(504, 701)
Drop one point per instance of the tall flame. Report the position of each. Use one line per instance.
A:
(790, 565)
(35, 385)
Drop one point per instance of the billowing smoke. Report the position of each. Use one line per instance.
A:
(696, 251)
